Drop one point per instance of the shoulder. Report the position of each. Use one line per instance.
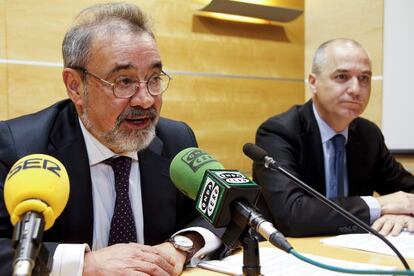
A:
(171, 127)
(26, 124)
(365, 128)
(291, 122)
(175, 135)
(29, 133)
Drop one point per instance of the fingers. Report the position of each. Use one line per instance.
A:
(397, 228)
(152, 261)
(377, 225)
(128, 259)
(393, 224)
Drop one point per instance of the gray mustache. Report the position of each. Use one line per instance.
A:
(150, 112)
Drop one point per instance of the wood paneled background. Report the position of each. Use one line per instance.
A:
(227, 77)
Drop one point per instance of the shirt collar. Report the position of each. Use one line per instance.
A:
(326, 131)
(97, 152)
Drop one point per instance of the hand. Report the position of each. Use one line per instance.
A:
(397, 203)
(131, 259)
(393, 224)
(179, 257)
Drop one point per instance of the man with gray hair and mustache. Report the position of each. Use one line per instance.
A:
(110, 131)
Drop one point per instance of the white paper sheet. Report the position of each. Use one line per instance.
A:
(368, 242)
(275, 262)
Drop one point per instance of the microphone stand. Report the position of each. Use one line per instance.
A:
(251, 260)
(238, 232)
(29, 249)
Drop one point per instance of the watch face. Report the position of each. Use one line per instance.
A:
(183, 241)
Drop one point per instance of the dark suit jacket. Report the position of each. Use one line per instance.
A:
(55, 131)
(294, 140)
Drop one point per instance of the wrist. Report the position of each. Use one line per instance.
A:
(184, 245)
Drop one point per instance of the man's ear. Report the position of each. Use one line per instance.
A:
(312, 80)
(73, 83)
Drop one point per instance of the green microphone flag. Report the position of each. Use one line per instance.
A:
(202, 178)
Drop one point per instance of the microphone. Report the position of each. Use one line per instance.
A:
(223, 197)
(259, 155)
(36, 191)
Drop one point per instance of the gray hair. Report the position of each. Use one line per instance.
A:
(319, 59)
(100, 19)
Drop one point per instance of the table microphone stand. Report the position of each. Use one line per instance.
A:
(251, 260)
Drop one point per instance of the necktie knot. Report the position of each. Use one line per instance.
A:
(122, 167)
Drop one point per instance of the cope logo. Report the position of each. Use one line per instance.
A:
(209, 197)
(232, 177)
(35, 163)
(196, 158)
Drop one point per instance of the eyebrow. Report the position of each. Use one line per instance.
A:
(367, 72)
(119, 67)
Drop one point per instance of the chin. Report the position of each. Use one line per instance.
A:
(131, 141)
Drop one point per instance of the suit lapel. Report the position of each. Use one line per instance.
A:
(158, 204)
(312, 147)
(68, 146)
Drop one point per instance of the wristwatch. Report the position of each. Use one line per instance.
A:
(184, 244)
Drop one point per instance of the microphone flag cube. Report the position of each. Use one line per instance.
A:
(219, 189)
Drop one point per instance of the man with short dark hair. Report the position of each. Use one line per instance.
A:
(110, 133)
(327, 145)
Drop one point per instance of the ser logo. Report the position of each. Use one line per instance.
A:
(196, 158)
(209, 197)
(35, 163)
(232, 177)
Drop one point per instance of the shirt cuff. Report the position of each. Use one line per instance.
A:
(68, 259)
(211, 243)
(374, 207)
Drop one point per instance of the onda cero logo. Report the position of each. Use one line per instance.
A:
(209, 197)
(196, 158)
(232, 177)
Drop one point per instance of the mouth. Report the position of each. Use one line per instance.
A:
(138, 123)
(352, 103)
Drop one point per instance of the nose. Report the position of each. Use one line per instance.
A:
(354, 86)
(142, 97)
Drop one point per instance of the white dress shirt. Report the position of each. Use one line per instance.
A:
(103, 190)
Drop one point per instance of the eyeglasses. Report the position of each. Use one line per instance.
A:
(126, 87)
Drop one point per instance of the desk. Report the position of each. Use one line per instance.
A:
(313, 245)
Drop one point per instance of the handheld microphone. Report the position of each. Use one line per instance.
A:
(259, 155)
(222, 196)
(36, 191)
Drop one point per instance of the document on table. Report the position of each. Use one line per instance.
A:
(404, 242)
(275, 262)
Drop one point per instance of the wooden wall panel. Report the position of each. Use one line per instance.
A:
(359, 20)
(33, 88)
(187, 42)
(228, 77)
(225, 112)
(3, 66)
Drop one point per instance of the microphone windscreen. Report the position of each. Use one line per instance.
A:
(188, 167)
(38, 183)
(254, 152)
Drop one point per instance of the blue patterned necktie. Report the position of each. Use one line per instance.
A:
(122, 224)
(338, 142)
